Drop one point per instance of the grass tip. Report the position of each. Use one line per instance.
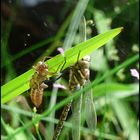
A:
(122, 28)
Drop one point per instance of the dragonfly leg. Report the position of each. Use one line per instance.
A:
(62, 65)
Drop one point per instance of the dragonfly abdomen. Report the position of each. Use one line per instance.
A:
(61, 121)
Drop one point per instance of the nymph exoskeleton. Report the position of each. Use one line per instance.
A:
(37, 84)
(39, 81)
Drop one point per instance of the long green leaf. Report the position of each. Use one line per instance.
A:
(117, 90)
(21, 84)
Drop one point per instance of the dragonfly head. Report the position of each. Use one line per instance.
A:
(84, 62)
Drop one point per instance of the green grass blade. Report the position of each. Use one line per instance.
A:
(117, 90)
(10, 130)
(126, 118)
(21, 84)
(78, 13)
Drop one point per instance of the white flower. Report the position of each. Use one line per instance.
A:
(61, 50)
(134, 73)
(59, 86)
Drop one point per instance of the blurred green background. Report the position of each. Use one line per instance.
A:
(31, 29)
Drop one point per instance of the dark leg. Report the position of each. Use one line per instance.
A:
(56, 78)
(46, 57)
(78, 56)
(62, 65)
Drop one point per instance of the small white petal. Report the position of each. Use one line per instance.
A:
(134, 73)
(59, 86)
(61, 50)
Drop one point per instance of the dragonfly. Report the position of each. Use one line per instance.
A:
(78, 78)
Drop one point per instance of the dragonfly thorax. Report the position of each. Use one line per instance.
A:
(79, 73)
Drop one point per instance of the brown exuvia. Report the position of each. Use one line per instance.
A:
(37, 84)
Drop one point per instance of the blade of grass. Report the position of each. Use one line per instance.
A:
(78, 13)
(50, 127)
(6, 57)
(125, 115)
(10, 130)
(116, 90)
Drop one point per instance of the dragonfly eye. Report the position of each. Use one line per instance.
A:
(86, 58)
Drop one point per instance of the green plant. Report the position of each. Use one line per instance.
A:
(20, 84)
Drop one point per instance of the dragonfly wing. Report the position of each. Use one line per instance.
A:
(76, 118)
(90, 112)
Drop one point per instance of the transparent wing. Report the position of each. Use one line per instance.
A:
(89, 109)
(76, 118)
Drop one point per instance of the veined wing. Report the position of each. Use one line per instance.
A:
(76, 118)
(89, 108)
